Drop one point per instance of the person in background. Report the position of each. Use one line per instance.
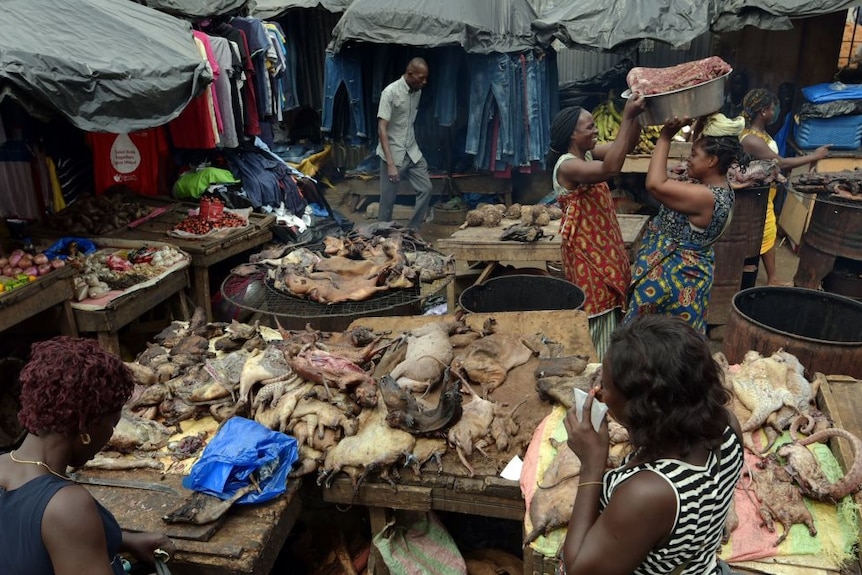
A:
(72, 392)
(670, 496)
(401, 156)
(673, 271)
(737, 88)
(759, 111)
(593, 253)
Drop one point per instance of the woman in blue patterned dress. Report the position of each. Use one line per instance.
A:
(674, 268)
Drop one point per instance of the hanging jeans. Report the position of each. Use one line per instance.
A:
(538, 107)
(490, 73)
(445, 85)
(347, 68)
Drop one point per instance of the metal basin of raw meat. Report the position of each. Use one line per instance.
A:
(692, 102)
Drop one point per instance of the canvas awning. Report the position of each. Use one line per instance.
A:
(106, 65)
(196, 9)
(267, 9)
(611, 24)
(607, 24)
(479, 26)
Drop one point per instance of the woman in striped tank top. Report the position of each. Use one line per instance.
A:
(662, 510)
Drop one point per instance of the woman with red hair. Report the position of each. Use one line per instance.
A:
(72, 393)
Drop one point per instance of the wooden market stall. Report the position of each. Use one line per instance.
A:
(205, 253)
(55, 289)
(453, 488)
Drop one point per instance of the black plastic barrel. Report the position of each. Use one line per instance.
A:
(823, 330)
(521, 292)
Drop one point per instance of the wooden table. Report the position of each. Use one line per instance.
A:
(453, 490)
(247, 540)
(107, 321)
(24, 302)
(204, 252)
(482, 244)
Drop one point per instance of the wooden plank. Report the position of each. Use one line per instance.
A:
(125, 309)
(22, 303)
(248, 540)
(484, 244)
(841, 400)
(371, 494)
(459, 501)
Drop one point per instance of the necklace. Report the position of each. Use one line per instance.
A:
(40, 464)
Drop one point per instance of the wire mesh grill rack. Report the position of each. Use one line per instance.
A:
(256, 293)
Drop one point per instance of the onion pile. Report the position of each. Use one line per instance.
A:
(20, 262)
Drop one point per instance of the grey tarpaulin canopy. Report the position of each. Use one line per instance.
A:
(195, 9)
(479, 26)
(106, 65)
(608, 24)
(266, 9)
(772, 14)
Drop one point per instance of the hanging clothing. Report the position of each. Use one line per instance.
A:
(221, 51)
(133, 160)
(673, 270)
(593, 251)
(770, 229)
(197, 126)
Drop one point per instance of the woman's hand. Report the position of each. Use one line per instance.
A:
(635, 105)
(673, 125)
(821, 152)
(590, 446)
(142, 546)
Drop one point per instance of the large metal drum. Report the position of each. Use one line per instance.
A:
(740, 240)
(835, 230)
(823, 330)
(522, 292)
(836, 227)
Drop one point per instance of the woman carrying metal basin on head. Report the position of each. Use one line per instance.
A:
(593, 253)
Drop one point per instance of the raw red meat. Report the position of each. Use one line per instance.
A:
(660, 80)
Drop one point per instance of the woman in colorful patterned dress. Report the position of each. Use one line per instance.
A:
(758, 109)
(673, 271)
(594, 256)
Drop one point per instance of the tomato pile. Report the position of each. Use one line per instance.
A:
(200, 226)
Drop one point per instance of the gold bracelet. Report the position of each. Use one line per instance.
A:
(590, 483)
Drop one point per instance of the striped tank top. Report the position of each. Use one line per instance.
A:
(703, 493)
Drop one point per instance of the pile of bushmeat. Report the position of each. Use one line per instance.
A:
(361, 402)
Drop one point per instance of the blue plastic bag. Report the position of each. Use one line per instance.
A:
(820, 93)
(239, 448)
(60, 248)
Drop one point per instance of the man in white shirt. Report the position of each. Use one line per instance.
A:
(401, 156)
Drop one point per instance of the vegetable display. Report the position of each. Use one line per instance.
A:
(21, 268)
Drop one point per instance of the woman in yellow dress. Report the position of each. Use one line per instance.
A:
(759, 111)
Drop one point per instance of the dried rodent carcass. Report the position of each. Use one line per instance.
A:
(488, 360)
(554, 498)
(376, 446)
(429, 352)
(487, 216)
(808, 474)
